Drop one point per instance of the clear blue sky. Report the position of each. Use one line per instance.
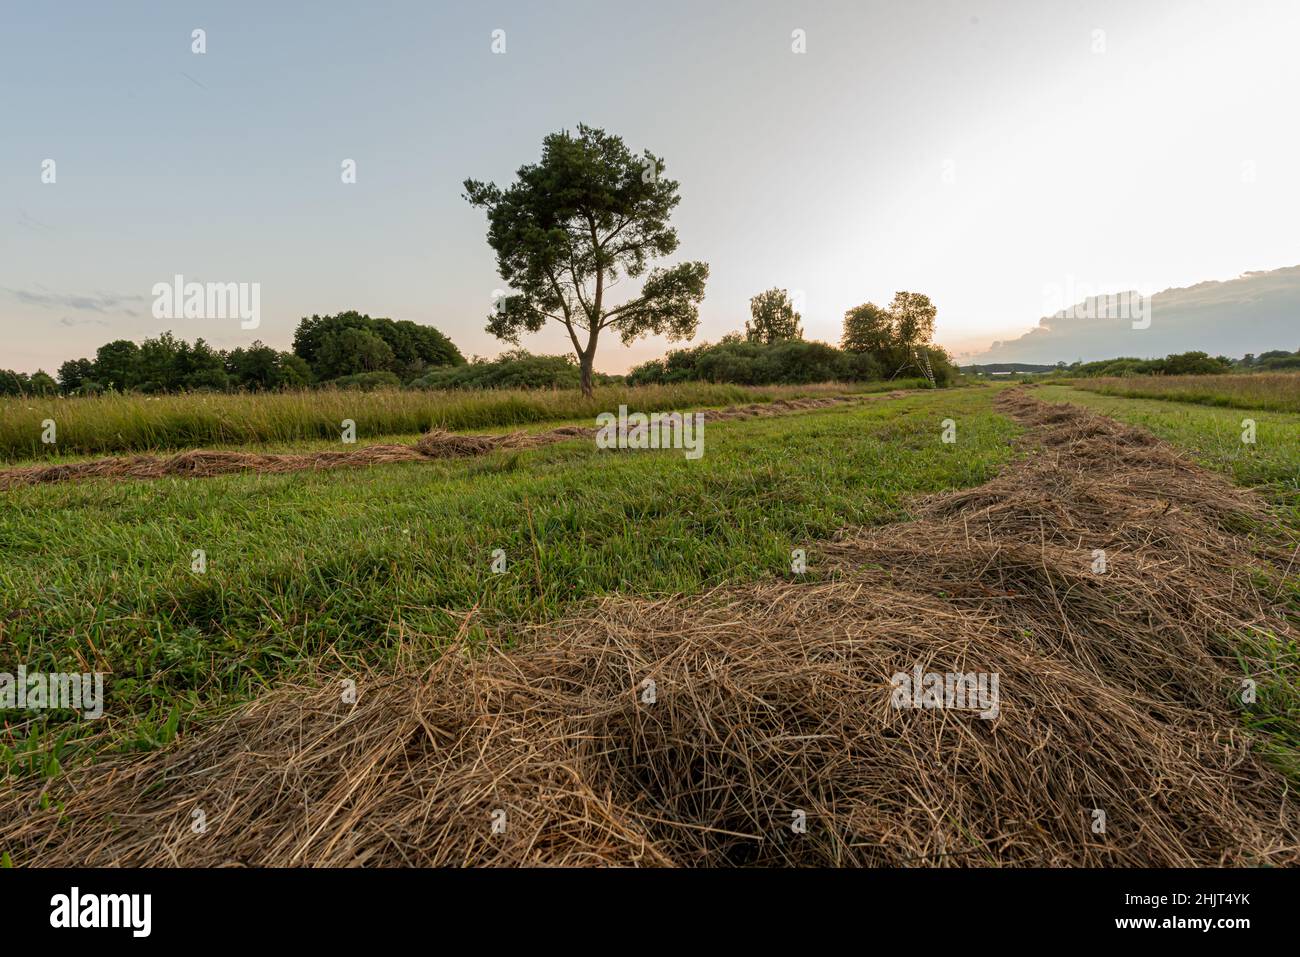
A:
(821, 172)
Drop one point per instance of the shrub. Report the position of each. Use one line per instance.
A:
(366, 381)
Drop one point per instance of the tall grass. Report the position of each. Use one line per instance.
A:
(131, 423)
(1277, 392)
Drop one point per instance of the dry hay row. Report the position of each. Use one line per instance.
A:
(435, 444)
(1116, 694)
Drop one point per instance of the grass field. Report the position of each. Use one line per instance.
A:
(1212, 435)
(349, 566)
(136, 423)
(373, 573)
(1277, 392)
(1272, 465)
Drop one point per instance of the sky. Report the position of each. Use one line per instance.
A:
(993, 155)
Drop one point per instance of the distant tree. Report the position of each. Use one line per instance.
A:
(913, 314)
(203, 367)
(589, 212)
(867, 328)
(116, 364)
(74, 373)
(413, 349)
(259, 367)
(42, 383)
(773, 318)
(12, 383)
(158, 364)
(353, 350)
(294, 371)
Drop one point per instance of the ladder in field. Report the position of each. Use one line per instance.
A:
(922, 359)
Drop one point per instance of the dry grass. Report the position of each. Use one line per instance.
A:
(1275, 391)
(116, 424)
(435, 444)
(1116, 694)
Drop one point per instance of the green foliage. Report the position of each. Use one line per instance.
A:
(867, 328)
(913, 314)
(1276, 360)
(569, 227)
(1183, 363)
(773, 318)
(76, 372)
(792, 361)
(898, 338)
(517, 369)
(116, 364)
(367, 381)
(326, 348)
(352, 342)
(39, 383)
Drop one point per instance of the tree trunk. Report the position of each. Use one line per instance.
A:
(586, 366)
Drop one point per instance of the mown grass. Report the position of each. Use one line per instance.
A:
(347, 567)
(1213, 436)
(1278, 392)
(135, 423)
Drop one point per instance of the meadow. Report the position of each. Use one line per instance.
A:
(1270, 465)
(350, 568)
(1277, 392)
(429, 583)
(1212, 435)
(115, 422)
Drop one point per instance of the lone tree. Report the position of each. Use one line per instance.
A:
(570, 227)
(774, 318)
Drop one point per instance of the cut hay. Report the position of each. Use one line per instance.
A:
(772, 704)
(435, 444)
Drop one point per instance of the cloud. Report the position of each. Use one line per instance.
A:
(28, 222)
(1253, 313)
(88, 321)
(94, 302)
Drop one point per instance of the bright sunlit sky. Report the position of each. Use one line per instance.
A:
(982, 153)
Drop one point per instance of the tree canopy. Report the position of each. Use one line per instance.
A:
(773, 318)
(571, 226)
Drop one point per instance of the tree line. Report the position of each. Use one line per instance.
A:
(344, 349)
(877, 343)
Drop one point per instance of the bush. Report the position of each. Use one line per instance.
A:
(518, 369)
(1183, 363)
(367, 381)
(791, 362)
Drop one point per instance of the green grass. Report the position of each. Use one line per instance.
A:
(134, 423)
(1277, 392)
(347, 566)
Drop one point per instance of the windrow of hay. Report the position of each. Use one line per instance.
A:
(436, 444)
(705, 731)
